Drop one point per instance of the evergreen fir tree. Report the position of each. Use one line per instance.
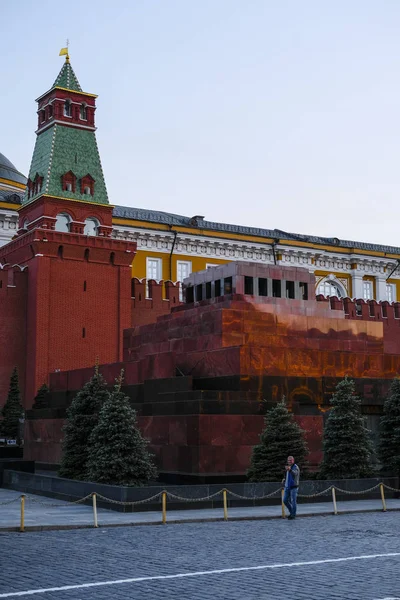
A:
(281, 437)
(346, 441)
(82, 417)
(41, 398)
(118, 453)
(389, 445)
(13, 410)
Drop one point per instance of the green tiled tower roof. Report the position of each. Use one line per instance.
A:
(61, 148)
(67, 78)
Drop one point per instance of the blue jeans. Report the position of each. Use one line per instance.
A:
(290, 500)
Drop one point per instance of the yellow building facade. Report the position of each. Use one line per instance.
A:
(170, 247)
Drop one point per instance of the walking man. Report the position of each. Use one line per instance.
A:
(291, 483)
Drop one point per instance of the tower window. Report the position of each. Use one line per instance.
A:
(37, 184)
(91, 226)
(67, 108)
(42, 115)
(83, 112)
(68, 182)
(87, 185)
(63, 221)
(50, 109)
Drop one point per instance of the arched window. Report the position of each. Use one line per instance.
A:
(330, 287)
(25, 224)
(62, 222)
(50, 109)
(67, 108)
(91, 225)
(83, 112)
(42, 115)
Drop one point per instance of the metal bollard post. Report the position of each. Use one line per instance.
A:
(22, 524)
(383, 497)
(283, 506)
(164, 508)
(225, 505)
(94, 509)
(334, 501)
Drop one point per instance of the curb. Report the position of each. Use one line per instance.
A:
(38, 528)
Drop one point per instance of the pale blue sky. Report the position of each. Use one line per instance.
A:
(268, 113)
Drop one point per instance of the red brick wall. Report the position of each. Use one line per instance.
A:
(67, 327)
(13, 300)
(162, 298)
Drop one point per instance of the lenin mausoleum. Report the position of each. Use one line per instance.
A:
(207, 319)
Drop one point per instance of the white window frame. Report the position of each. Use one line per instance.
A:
(391, 292)
(180, 277)
(153, 265)
(330, 287)
(368, 290)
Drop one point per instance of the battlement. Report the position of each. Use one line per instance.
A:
(12, 281)
(152, 299)
(363, 309)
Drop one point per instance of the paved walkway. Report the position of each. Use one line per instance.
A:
(47, 513)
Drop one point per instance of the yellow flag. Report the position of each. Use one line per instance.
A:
(63, 52)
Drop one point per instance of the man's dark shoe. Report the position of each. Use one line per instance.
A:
(291, 517)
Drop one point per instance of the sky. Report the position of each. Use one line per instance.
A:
(253, 112)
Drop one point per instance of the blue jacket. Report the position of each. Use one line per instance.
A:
(292, 478)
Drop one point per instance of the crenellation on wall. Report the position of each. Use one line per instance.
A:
(152, 299)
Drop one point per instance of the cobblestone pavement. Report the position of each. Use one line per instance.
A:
(210, 561)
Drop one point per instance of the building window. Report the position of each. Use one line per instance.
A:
(153, 268)
(87, 185)
(153, 271)
(91, 226)
(83, 112)
(67, 108)
(42, 116)
(329, 288)
(367, 290)
(211, 265)
(68, 182)
(62, 222)
(183, 270)
(391, 292)
(50, 109)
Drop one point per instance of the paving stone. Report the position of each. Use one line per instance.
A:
(57, 558)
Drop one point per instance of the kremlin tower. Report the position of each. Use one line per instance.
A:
(65, 283)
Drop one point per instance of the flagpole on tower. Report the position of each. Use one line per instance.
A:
(65, 52)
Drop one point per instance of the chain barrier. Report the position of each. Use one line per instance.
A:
(171, 495)
(120, 502)
(52, 505)
(163, 495)
(357, 493)
(278, 491)
(316, 493)
(390, 488)
(10, 501)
